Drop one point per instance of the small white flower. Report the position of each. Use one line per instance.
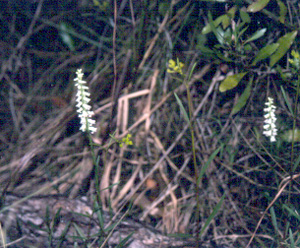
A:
(83, 107)
(270, 129)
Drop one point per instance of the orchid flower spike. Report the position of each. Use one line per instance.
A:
(83, 107)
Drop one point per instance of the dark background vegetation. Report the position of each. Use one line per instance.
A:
(40, 141)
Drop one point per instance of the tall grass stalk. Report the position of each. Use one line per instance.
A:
(176, 67)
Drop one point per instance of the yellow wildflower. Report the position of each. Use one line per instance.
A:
(296, 60)
(175, 67)
(126, 140)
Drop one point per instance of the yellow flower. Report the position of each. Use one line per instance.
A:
(175, 67)
(295, 54)
(126, 140)
(296, 61)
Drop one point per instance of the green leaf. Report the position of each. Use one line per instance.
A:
(243, 98)
(182, 108)
(223, 58)
(213, 24)
(245, 16)
(285, 76)
(291, 211)
(291, 235)
(226, 21)
(212, 215)
(287, 102)
(99, 213)
(79, 231)
(274, 219)
(208, 162)
(257, 35)
(227, 36)
(205, 49)
(285, 43)
(241, 32)
(231, 81)
(220, 35)
(296, 164)
(65, 36)
(124, 241)
(248, 48)
(257, 6)
(265, 52)
(282, 11)
(229, 16)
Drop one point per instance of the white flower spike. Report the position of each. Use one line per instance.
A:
(270, 129)
(83, 107)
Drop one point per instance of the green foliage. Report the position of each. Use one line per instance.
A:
(283, 11)
(243, 98)
(213, 214)
(231, 81)
(265, 52)
(257, 6)
(285, 42)
(252, 57)
(236, 46)
(185, 114)
(257, 55)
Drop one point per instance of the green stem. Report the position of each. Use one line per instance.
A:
(197, 190)
(294, 125)
(293, 139)
(95, 162)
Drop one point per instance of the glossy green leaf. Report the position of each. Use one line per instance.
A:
(245, 16)
(220, 35)
(231, 81)
(265, 52)
(243, 98)
(257, 35)
(285, 43)
(257, 6)
(282, 11)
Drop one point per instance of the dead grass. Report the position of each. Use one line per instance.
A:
(42, 148)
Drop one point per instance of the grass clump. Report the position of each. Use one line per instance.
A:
(172, 106)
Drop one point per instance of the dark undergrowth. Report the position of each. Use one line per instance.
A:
(43, 151)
